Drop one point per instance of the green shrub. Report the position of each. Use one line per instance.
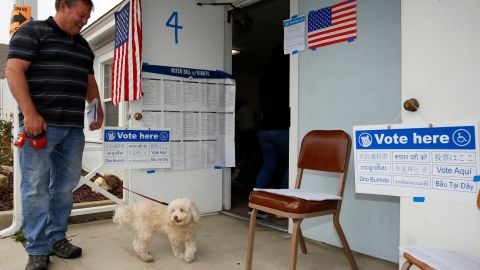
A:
(6, 153)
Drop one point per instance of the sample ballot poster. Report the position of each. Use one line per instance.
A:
(198, 106)
(137, 149)
(437, 163)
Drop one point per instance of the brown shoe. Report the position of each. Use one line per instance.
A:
(37, 262)
(64, 249)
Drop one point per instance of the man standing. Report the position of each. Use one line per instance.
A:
(273, 135)
(50, 74)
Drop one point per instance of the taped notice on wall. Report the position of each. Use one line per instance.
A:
(438, 163)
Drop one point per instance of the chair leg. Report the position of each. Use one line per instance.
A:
(346, 247)
(251, 239)
(294, 244)
(302, 242)
(406, 266)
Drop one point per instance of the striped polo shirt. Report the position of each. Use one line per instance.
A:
(58, 73)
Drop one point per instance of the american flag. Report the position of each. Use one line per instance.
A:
(127, 57)
(334, 24)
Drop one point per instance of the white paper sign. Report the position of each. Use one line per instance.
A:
(137, 149)
(294, 34)
(437, 163)
(91, 111)
(302, 194)
(443, 259)
(198, 107)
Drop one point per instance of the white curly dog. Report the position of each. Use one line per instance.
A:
(179, 220)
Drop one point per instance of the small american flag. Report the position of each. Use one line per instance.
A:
(127, 57)
(331, 25)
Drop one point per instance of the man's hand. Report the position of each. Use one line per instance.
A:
(92, 93)
(34, 124)
(95, 125)
(98, 124)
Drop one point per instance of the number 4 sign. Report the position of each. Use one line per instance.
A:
(174, 25)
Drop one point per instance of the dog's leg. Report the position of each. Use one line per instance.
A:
(190, 250)
(140, 245)
(177, 246)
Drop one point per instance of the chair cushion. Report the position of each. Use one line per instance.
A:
(290, 204)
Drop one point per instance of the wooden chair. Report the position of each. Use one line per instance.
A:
(411, 260)
(425, 258)
(321, 150)
(478, 200)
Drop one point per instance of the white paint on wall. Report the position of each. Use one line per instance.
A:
(440, 68)
(199, 43)
(440, 59)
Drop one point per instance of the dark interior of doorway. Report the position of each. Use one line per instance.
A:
(257, 30)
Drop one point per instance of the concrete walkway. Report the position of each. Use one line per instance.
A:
(222, 242)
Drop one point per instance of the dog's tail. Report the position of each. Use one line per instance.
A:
(122, 215)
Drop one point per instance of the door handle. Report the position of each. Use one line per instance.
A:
(411, 105)
(138, 116)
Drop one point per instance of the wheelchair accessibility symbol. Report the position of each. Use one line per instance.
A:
(164, 136)
(365, 139)
(461, 137)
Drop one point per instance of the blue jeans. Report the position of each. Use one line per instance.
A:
(274, 144)
(48, 177)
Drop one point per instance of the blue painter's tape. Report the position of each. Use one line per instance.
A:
(294, 16)
(418, 199)
(295, 52)
(151, 171)
(476, 178)
(217, 167)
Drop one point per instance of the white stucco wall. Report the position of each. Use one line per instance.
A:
(440, 68)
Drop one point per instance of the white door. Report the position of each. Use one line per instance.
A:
(441, 71)
(179, 33)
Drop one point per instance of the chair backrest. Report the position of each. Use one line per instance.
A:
(325, 150)
(478, 200)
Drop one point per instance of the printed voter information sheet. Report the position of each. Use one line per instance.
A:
(294, 35)
(137, 149)
(198, 107)
(437, 163)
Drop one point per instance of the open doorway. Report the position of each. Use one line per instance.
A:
(257, 32)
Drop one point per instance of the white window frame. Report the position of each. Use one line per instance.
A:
(104, 99)
(104, 56)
